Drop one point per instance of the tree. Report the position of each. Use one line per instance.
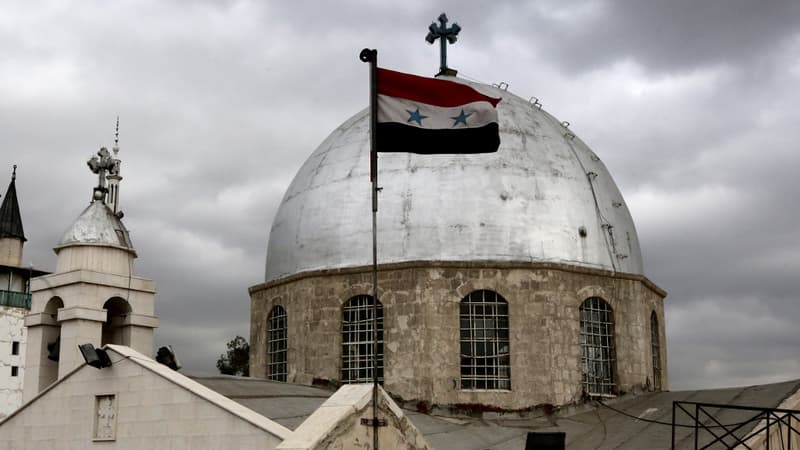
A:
(237, 360)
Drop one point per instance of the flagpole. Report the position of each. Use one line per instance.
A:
(371, 56)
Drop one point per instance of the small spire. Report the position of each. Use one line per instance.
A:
(10, 218)
(113, 176)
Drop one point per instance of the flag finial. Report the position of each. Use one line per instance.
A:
(14, 173)
(445, 35)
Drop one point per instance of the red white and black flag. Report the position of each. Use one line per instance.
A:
(431, 116)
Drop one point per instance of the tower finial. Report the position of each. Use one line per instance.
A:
(444, 35)
(116, 138)
(14, 173)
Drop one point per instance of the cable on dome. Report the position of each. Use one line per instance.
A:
(590, 176)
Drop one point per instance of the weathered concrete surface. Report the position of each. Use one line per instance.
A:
(528, 201)
(10, 251)
(587, 426)
(11, 330)
(336, 424)
(421, 323)
(285, 403)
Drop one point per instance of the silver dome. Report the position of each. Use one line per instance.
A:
(97, 225)
(544, 196)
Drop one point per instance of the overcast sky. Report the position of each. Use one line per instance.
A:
(693, 106)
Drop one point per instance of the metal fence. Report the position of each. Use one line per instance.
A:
(744, 427)
(16, 299)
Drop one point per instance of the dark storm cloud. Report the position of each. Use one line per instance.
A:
(664, 37)
(691, 105)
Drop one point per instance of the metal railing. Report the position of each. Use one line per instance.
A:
(16, 299)
(753, 427)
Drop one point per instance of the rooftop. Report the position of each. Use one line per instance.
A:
(628, 422)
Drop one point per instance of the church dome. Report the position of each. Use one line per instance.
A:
(97, 225)
(544, 196)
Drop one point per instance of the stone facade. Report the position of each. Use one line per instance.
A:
(13, 335)
(11, 330)
(421, 326)
(10, 251)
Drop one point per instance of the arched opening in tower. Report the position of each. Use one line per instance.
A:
(51, 338)
(118, 310)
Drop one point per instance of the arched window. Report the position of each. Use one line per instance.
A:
(485, 358)
(597, 346)
(655, 348)
(276, 344)
(357, 340)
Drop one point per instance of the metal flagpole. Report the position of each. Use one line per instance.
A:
(371, 56)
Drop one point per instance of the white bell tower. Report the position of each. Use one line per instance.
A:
(93, 296)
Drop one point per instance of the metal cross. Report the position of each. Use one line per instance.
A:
(105, 163)
(443, 33)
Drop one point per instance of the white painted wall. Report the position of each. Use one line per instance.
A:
(152, 413)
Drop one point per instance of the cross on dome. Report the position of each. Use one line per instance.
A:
(445, 35)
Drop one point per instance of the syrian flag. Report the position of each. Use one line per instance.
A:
(430, 116)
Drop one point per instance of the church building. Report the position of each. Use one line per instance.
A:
(505, 280)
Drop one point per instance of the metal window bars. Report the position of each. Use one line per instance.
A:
(357, 340)
(276, 346)
(485, 356)
(597, 347)
(655, 349)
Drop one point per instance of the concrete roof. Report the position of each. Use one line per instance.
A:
(221, 401)
(97, 225)
(586, 426)
(284, 403)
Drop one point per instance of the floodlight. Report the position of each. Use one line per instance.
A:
(95, 357)
(166, 356)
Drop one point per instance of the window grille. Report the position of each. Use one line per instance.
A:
(485, 357)
(597, 346)
(655, 348)
(276, 345)
(357, 340)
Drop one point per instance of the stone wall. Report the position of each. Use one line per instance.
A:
(421, 323)
(10, 251)
(11, 330)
